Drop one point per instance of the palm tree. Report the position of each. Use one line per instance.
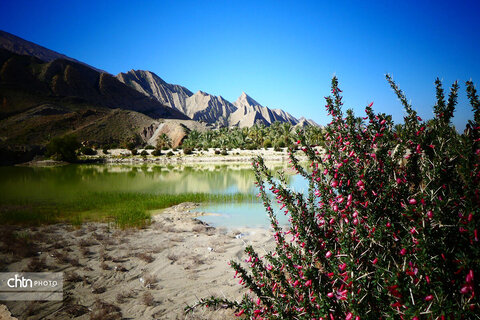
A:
(164, 141)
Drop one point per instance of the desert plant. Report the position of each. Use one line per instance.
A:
(267, 143)
(156, 152)
(389, 228)
(187, 150)
(164, 142)
(87, 151)
(63, 148)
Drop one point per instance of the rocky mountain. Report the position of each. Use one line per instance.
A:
(152, 85)
(41, 100)
(26, 82)
(208, 108)
(250, 112)
(201, 106)
(21, 46)
(303, 122)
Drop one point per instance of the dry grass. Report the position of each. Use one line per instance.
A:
(31, 309)
(148, 258)
(87, 242)
(98, 236)
(79, 233)
(121, 268)
(85, 251)
(75, 310)
(104, 266)
(123, 296)
(36, 265)
(102, 310)
(104, 256)
(172, 257)
(147, 299)
(98, 289)
(61, 244)
(61, 257)
(149, 280)
(72, 276)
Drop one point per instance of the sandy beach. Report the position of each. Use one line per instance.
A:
(149, 273)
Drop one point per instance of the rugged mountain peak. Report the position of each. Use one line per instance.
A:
(155, 87)
(246, 101)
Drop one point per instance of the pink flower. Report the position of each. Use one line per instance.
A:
(429, 298)
(328, 254)
(330, 294)
(308, 283)
(403, 251)
(375, 261)
(412, 201)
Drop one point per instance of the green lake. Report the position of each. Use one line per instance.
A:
(77, 192)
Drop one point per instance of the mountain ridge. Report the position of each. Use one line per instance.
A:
(201, 106)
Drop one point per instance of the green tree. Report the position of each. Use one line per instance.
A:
(63, 148)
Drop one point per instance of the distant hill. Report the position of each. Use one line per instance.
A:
(201, 106)
(27, 82)
(21, 46)
(41, 100)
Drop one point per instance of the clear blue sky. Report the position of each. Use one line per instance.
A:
(281, 53)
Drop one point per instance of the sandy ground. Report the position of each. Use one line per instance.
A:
(202, 156)
(149, 273)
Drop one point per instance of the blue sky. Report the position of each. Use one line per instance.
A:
(282, 53)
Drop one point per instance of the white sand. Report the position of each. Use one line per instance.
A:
(189, 261)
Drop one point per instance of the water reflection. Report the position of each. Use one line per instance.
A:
(72, 181)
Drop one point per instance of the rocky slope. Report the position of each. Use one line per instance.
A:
(41, 100)
(208, 108)
(26, 82)
(250, 112)
(201, 106)
(152, 85)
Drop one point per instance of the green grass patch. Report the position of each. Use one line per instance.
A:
(123, 208)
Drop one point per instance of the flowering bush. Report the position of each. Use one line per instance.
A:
(389, 228)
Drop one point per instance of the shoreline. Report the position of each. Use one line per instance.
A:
(124, 156)
(179, 258)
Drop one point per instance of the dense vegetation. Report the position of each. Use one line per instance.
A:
(389, 229)
(278, 135)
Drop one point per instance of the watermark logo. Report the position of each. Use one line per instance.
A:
(29, 286)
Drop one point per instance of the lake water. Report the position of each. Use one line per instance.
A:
(50, 183)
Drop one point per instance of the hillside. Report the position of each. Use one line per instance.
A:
(152, 85)
(201, 106)
(41, 100)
